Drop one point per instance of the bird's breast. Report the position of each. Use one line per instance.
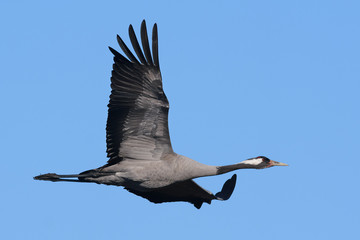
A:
(149, 174)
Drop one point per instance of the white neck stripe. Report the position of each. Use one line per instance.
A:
(255, 161)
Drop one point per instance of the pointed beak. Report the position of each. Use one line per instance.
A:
(274, 163)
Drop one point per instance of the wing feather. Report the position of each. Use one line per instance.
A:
(137, 125)
(145, 42)
(186, 191)
(126, 50)
(136, 45)
(155, 46)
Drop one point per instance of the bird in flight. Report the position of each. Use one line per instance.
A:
(141, 158)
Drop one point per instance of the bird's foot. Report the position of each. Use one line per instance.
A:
(48, 177)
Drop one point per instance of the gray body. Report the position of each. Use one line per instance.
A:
(141, 157)
(142, 175)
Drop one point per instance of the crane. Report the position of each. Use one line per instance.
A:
(141, 157)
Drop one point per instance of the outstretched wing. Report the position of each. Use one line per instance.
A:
(137, 124)
(187, 191)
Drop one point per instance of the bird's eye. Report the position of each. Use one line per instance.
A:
(264, 159)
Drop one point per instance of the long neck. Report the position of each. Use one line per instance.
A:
(192, 169)
(229, 168)
(188, 168)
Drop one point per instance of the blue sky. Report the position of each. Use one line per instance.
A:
(244, 78)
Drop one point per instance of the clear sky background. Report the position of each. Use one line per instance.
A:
(244, 78)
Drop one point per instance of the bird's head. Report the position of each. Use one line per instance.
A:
(262, 162)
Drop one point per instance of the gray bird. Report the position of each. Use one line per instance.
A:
(141, 158)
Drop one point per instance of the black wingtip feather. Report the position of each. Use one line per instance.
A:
(145, 42)
(136, 45)
(113, 51)
(126, 50)
(155, 49)
(118, 55)
(227, 189)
